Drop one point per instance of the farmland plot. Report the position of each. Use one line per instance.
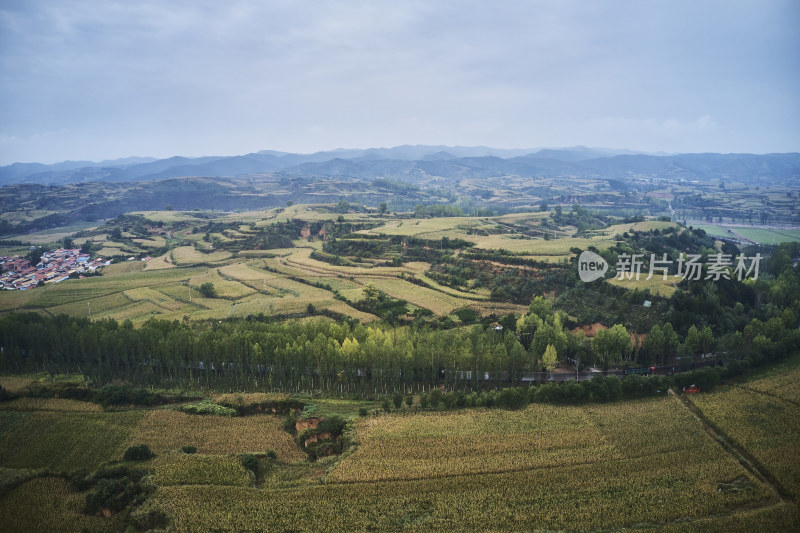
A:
(67, 440)
(169, 430)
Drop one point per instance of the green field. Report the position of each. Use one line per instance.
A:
(759, 235)
(63, 440)
(769, 236)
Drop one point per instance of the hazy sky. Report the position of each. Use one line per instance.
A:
(104, 79)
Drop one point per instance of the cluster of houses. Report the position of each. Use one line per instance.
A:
(19, 274)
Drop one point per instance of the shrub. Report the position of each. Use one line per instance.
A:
(449, 400)
(272, 455)
(333, 424)
(387, 405)
(362, 411)
(208, 407)
(207, 290)
(424, 400)
(188, 448)
(436, 398)
(5, 395)
(409, 400)
(250, 462)
(397, 400)
(512, 398)
(290, 424)
(140, 452)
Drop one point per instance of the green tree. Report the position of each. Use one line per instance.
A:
(207, 290)
(550, 358)
(612, 345)
(383, 208)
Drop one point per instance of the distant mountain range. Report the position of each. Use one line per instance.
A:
(415, 163)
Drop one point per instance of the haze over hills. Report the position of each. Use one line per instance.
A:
(413, 163)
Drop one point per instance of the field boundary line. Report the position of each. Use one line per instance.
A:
(768, 394)
(736, 450)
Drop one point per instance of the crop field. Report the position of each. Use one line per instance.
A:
(196, 469)
(49, 404)
(15, 383)
(782, 381)
(657, 284)
(421, 227)
(637, 465)
(553, 247)
(757, 234)
(169, 216)
(50, 504)
(766, 426)
(165, 429)
(225, 288)
(713, 229)
(160, 263)
(433, 445)
(249, 397)
(187, 255)
(67, 440)
(152, 242)
(126, 267)
(438, 302)
(768, 235)
(153, 296)
(646, 464)
(439, 445)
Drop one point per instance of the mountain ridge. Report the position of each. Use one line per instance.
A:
(408, 161)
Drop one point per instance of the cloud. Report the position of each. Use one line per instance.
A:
(197, 77)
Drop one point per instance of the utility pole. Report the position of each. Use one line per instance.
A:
(90, 307)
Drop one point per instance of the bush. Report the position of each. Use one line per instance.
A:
(108, 494)
(207, 290)
(272, 455)
(362, 411)
(290, 424)
(448, 400)
(208, 407)
(332, 424)
(436, 398)
(409, 400)
(397, 400)
(512, 398)
(139, 452)
(188, 448)
(5, 395)
(387, 405)
(424, 400)
(250, 462)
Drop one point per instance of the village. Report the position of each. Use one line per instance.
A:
(53, 267)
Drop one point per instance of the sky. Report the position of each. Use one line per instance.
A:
(102, 79)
